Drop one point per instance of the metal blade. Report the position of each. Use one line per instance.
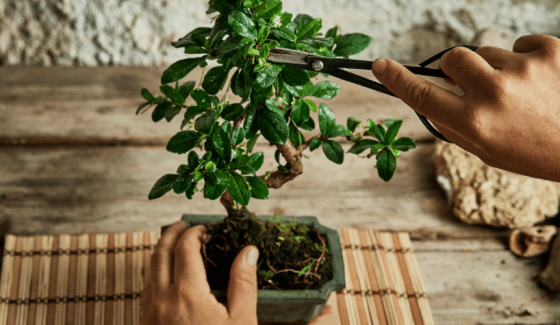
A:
(286, 56)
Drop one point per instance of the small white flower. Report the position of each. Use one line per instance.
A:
(276, 21)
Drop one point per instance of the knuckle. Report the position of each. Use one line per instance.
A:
(454, 56)
(476, 123)
(245, 279)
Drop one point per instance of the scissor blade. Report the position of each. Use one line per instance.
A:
(289, 57)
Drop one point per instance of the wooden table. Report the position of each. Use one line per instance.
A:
(74, 158)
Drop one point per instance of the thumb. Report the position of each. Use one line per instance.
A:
(424, 97)
(242, 288)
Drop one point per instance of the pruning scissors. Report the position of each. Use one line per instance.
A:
(334, 67)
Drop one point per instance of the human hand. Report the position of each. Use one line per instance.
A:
(177, 292)
(510, 114)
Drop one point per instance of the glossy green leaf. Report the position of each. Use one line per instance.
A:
(182, 142)
(186, 89)
(302, 20)
(308, 125)
(240, 162)
(263, 34)
(318, 42)
(272, 125)
(273, 8)
(404, 144)
(180, 69)
(315, 144)
(215, 80)
(172, 112)
(259, 190)
(294, 77)
(310, 105)
(242, 83)
(362, 145)
(238, 136)
(392, 131)
(295, 135)
(210, 167)
(251, 143)
(351, 44)
(257, 160)
(141, 107)
(339, 131)
(238, 189)
(242, 24)
(386, 164)
(332, 33)
(334, 152)
(251, 123)
(193, 159)
(205, 122)
(233, 112)
(376, 147)
(300, 112)
(230, 45)
(267, 77)
(379, 132)
(181, 184)
(352, 123)
(214, 192)
(160, 111)
(285, 33)
(221, 143)
(310, 29)
(190, 39)
(327, 120)
(162, 186)
(326, 90)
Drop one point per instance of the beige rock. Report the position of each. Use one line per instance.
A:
(490, 37)
(480, 194)
(550, 277)
(529, 242)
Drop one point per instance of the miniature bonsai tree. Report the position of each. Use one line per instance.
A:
(276, 103)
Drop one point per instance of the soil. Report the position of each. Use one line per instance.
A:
(292, 256)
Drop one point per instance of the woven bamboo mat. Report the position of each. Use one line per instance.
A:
(98, 279)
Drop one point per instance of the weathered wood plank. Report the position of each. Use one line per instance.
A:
(69, 105)
(75, 190)
(483, 286)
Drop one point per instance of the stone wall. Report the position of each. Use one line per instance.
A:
(138, 32)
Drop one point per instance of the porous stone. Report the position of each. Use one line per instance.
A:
(480, 194)
(139, 32)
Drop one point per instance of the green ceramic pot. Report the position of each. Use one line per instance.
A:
(290, 306)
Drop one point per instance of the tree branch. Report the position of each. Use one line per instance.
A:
(227, 202)
(307, 143)
(294, 166)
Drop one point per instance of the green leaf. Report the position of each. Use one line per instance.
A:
(310, 29)
(194, 49)
(315, 143)
(273, 8)
(186, 89)
(193, 159)
(386, 164)
(264, 51)
(214, 192)
(318, 42)
(162, 186)
(221, 143)
(238, 189)
(251, 143)
(334, 152)
(263, 34)
(171, 93)
(362, 145)
(240, 162)
(210, 167)
(353, 123)
(172, 112)
(191, 190)
(242, 24)
(147, 95)
(251, 123)
(267, 77)
(141, 107)
(282, 169)
(379, 132)
(242, 83)
(238, 136)
(205, 122)
(404, 144)
(182, 142)
(351, 44)
(295, 135)
(302, 20)
(215, 80)
(392, 131)
(259, 190)
(327, 120)
(310, 105)
(257, 160)
(184, 169)
(294, 77)
(376, 147)
(285, 33)
(160, 111)
(339, 131)
(180, 69)
(300, 112)
(230, 45)
(181, 184)
(326, 90)
(273, 126)
(308, 125)
(193, 111)
(332, 33)
(309, 89)
(233, 112)
(193, 38)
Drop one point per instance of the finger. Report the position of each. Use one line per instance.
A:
(465, 67)
(497, 58)
(530, 43)
(146, 296)
(189, 268)
(424, 97)
(450, 82)
(242, 287)
(162, 258)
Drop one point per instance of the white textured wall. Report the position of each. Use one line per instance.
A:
(138, 32)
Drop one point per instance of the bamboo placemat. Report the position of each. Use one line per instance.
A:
(98, 279)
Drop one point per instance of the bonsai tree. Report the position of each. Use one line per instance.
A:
(276, 103)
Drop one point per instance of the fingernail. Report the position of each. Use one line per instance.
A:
(252, 256)
(379, 66)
